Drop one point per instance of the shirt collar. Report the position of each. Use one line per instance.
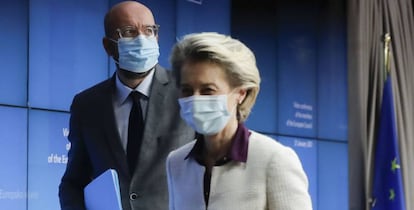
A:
(143, 88)
(237, 152)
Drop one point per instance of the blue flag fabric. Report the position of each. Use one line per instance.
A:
(388, 191)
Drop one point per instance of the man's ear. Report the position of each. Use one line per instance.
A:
(110, 47)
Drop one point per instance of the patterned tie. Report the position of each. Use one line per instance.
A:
(135, 130)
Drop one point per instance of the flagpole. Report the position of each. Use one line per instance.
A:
(387, 63)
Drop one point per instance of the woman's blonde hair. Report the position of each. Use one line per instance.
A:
(235, 58)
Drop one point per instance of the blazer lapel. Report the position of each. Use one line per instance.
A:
(155, 113)
(156, 102)
(113, 140)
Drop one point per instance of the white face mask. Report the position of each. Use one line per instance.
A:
(207, 114)
(138, 54)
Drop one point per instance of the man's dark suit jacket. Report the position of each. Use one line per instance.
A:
(96, 145)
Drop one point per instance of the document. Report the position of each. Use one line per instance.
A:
(103, 192)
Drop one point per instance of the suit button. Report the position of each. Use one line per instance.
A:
(133, 196)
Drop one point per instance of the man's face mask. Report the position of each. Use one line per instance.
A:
(137, 54)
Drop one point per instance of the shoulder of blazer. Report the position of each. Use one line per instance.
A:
(162, 75)
(99, 92)
(163, 87)
(267, 145)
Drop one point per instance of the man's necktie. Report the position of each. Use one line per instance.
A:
(135, 131)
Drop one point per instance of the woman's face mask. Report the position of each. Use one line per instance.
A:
(207, 114)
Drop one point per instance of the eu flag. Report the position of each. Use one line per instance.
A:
(388, 191)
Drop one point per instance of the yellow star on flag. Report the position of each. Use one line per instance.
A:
(394, 165)
(392, 194)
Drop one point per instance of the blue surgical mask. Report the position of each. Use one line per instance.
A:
(207, 114)
(138, 54)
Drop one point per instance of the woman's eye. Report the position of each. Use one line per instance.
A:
(208, 91)
(186, 92)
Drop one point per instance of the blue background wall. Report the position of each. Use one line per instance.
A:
(52, 49)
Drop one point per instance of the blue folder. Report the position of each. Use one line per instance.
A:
(103, 192)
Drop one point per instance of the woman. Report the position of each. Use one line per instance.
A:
(228, 166)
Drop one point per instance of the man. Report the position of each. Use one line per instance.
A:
(100, 118)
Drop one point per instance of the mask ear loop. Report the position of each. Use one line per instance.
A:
(116, 42)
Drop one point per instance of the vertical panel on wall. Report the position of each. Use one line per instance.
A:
(48, 147)
(332, 72)
(203, 15)
(332, 176)
(307, 152)
(250, 24)
(66, 52)
(296, 56)
(13, 158)
(13, 53)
